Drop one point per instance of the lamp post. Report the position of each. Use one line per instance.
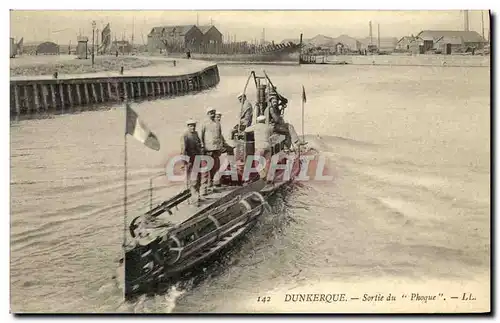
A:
(93, 33)
(97, 41)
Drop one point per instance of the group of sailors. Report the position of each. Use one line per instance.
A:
(211, 141)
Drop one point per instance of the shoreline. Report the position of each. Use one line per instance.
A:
(44, 93)
(70, 64)
(410, 60)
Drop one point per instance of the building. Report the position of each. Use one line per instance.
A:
(82, 47)
(458, 40)
(387, 44)
(12, 48)
(211, 35)
(47, 48)
(406, 42)
(349, 43)
(174, 38)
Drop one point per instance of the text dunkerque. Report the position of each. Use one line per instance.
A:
(326, 298)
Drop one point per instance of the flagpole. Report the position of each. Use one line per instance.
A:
(303, 91)
(125, 180)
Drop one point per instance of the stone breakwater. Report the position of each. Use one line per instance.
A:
(42, 93)
(416, 60)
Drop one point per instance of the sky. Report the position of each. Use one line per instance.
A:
(63, 26)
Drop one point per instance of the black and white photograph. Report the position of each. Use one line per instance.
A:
(250, 161)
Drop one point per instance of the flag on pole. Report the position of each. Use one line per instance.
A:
(304, 94)
(137, 129)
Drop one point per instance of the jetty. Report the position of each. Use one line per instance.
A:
(56, 93)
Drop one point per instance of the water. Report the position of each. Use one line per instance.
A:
(409, 149)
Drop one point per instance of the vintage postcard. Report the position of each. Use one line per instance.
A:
(250, 161)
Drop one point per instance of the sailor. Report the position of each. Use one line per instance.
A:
(262, 133)
(226, 148)
(191, 146)
(246, 117)
(218, 116)
(211, 141)
(282, 101)
(281, 127)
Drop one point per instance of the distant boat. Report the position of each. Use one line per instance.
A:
(273, 53)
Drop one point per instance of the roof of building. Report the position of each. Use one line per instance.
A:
(410, 39)
(454, 40)
(466, 36)
(182, 29)
(204, 29)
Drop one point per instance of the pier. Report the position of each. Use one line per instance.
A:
(57, 93)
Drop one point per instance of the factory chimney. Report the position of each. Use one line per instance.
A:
(466, 20)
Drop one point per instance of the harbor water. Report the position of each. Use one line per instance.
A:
(408, 147)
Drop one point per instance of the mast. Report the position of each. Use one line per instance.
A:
(133, 28)
(378, 36)
(371, 35)
(466, 20)
(482, 23)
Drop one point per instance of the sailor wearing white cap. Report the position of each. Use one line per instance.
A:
(218, 116)
(190, 147)
(212, 142)
(262, 133)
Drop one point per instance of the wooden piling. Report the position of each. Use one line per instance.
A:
(61, 95)
(132, 90)
(158, 88)
(53, 92)
(110, 93)
(94, 93)
(146, 92)
(86, 91)
(78, 94)
(37, 97)
(125, 90)
(45, 94)
(70, 94)
(16, 98)
(101, 89)
(139, 89)
(28, 98)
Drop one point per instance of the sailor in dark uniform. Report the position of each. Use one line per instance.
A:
(191, 147)
(292, 140)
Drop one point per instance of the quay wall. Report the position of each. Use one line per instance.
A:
(415, 60)
(244, 59)
(42, 93)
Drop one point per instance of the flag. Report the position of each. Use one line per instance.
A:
(304, 94)
(137, 129)
(106, 38)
